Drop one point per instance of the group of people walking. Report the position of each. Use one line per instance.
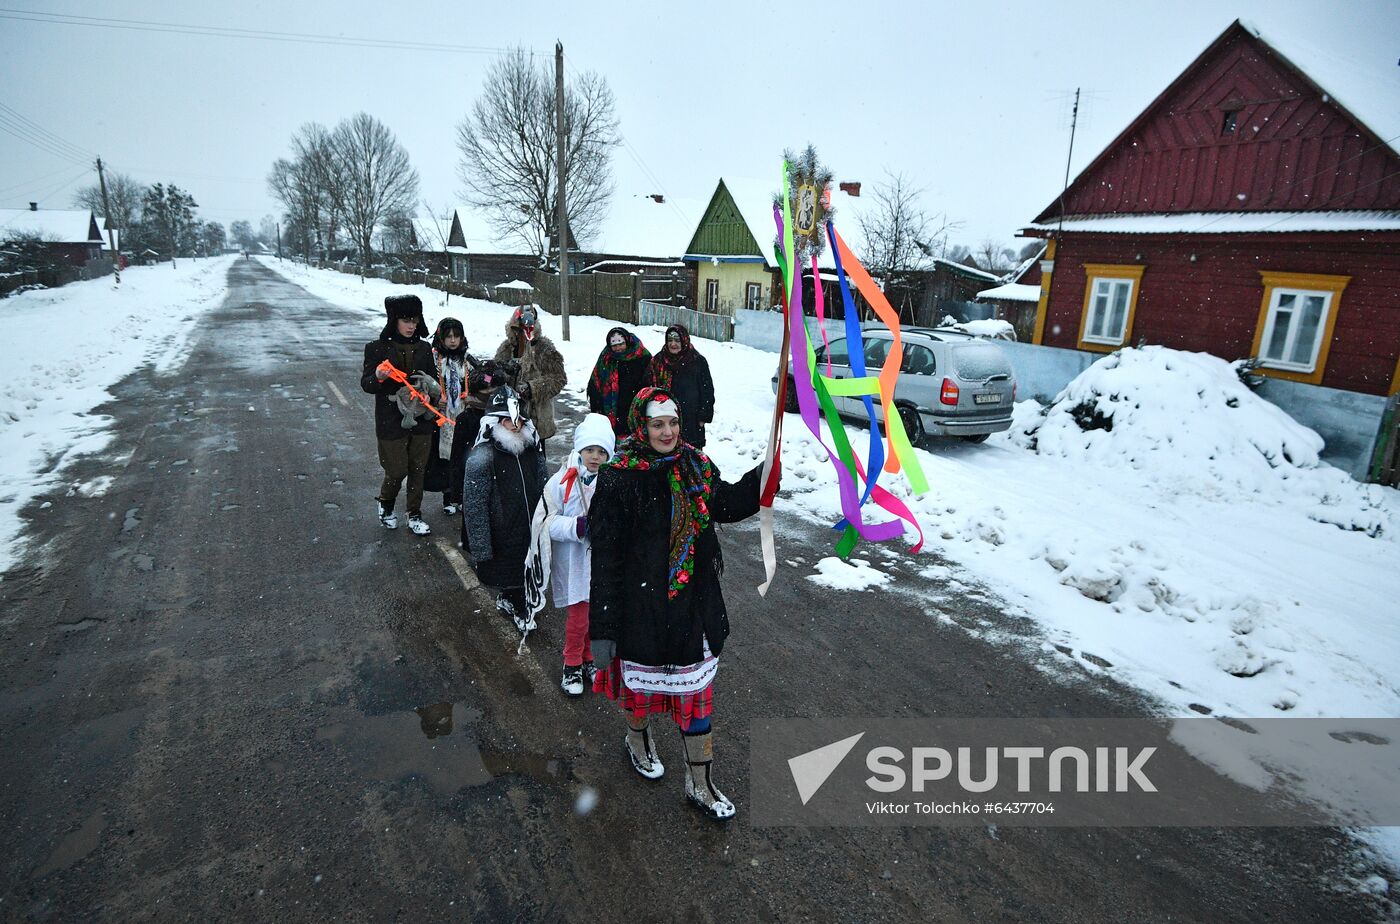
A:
(621, 535)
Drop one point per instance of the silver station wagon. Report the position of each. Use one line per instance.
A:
(950, 383)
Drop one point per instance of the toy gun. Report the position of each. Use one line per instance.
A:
(393, 372)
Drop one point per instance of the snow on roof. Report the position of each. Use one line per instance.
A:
(970, 270)
(1012, 292)
(1016, 274)
(638, 225)
(1367, 88)
(601, 264)
(63, 226)
(515, 284)
(1229, 222)
(431, 233)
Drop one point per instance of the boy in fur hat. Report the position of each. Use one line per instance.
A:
(502, 485)
(403, 451)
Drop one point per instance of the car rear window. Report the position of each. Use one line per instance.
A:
(980, 361)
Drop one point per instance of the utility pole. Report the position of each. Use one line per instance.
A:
(279, 242)
(1073, 123)
(111, 235)
(561, 216)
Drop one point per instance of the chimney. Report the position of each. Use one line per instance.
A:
(33, 206)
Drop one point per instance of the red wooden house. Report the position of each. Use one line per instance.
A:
(1253, 209)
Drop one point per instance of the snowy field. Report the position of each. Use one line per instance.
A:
(1198, 551)
(78, 341)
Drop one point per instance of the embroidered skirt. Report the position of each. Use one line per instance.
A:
(686, 692)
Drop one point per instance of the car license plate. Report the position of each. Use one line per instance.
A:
(987, 399)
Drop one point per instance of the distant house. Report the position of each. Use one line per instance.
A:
(1017, 298)
(1251, 210)
(732, 251)
(70, 236)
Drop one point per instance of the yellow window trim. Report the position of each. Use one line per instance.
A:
(1395, 379)
(1042, 308)
(1313, 282)
(1094, 271)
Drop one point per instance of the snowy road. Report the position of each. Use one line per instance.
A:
(225, 687)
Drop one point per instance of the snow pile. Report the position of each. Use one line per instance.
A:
(1186, 422)
(855, 575)
(83, 338)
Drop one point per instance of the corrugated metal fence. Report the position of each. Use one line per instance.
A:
(699, 323)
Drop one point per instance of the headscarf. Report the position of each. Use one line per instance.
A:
(605, 370)
(665, 364)
(690, 477)
(451, 364)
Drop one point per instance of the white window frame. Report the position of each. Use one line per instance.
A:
(1290, 341)
(1112, 282)
(712, 295)
(753, 296)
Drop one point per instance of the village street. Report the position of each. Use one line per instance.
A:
(231, 694)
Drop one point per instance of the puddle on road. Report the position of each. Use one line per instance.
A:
(434, 743)
(75, 846)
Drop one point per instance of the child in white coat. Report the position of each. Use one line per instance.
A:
(567, 556)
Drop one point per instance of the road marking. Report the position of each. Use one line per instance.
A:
(338, 396)
(499, 624)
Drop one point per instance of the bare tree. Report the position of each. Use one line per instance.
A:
(314, 148)
(379, 180)
(995, 257)
(293, 183)
(507, 146)
(242, 234)
(125, 195)
(437, 232)
(900, 237)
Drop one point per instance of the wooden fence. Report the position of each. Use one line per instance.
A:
(54, 277)
(700, 323)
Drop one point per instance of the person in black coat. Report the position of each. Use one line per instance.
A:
(403, 450)
(681, 370)
(657, 617)
(502, 485)
(619, 373)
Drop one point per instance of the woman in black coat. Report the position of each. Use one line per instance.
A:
(618, 375)
(657, 617)
(503, 481)
(681, 370)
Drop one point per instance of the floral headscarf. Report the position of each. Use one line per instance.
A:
(690, 477)
(605, 371)
(665, 364)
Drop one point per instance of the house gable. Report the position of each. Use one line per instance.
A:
(722, 230)
(455, 237)
(1241, 129)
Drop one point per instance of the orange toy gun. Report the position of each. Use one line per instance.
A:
(393, 372)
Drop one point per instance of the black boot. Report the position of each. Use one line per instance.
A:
(700, 787)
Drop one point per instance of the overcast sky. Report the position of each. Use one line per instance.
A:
(969, 100)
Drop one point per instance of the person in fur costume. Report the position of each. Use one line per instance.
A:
(657, 616)
(560, 553)
(541, 367)
(448, 457)
(618, 375)
(680, 369)
(501, 488)
(404, 435)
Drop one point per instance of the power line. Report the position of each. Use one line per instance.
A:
(43, 132)
(18, 131)
(37, 179)
(308, 38)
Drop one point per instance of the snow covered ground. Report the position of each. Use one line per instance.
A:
(1197, 551)
(66, 347)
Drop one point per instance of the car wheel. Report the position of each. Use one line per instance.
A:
(913, 424)
(790, 400)
(977, 438)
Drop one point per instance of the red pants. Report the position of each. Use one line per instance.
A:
(576, 635)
